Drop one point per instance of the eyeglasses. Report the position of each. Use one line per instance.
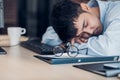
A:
(71, 50)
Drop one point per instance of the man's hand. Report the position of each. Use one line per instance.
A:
(81, 38)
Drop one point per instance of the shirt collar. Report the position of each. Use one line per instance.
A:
(103, 8)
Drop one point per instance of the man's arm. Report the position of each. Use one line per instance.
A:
(108, 43)
(50, 37)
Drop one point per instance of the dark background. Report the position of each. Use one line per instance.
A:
(30, 14)
(34, 15)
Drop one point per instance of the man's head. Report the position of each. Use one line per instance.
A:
(70, 19)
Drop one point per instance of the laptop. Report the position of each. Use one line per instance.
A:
(101, 68)
(2, 51)
(52, 59)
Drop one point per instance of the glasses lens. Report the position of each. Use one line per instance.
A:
(58, 51)
(72, 51)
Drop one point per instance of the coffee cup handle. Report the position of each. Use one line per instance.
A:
(23, 31)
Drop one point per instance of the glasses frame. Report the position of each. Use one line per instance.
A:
(66, 49)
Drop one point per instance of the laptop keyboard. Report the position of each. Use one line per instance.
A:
(38, 47)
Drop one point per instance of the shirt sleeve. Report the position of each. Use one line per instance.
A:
(109, 43)
(50, 37)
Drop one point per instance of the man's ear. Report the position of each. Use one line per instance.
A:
(85, 7)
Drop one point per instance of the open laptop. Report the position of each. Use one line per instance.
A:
(2, 51)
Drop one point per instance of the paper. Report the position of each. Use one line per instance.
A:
(65, 55)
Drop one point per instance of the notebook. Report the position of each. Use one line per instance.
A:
(2, 51)
(65, 59)
(99, 68)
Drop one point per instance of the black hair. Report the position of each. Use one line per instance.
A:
(62, 18)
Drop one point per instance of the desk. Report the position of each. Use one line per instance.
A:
(19, 64)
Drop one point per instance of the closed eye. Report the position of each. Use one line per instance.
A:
(84, 24)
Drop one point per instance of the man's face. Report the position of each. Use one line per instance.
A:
(87, 25)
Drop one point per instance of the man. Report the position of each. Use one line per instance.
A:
(97, 26)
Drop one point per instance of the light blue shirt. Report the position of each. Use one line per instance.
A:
(108, 43)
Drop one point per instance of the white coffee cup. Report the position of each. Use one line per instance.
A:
(15, 34)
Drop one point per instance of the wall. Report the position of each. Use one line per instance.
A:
(10, 14)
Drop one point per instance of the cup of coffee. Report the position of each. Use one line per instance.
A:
(15, 34)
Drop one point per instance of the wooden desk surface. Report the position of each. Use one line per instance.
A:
(19, 64)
